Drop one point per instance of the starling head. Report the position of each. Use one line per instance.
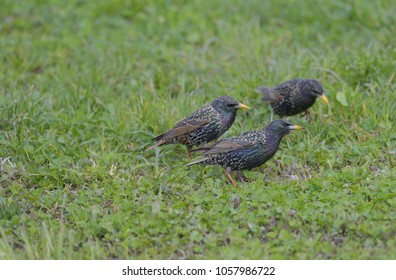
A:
(227, 104)
(281, 128)
(314, 88)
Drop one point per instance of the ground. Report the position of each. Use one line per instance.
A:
(86, 85)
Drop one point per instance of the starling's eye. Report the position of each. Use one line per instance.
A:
(316, 92)
(232, 104)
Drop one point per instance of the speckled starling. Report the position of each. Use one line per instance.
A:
(247, 150)
(294, 96)
(204, 125)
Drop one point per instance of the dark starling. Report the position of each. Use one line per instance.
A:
(294, 96)
(204, 125)
(247, 150)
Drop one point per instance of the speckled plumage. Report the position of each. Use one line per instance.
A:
(294, 96)
(204, 125)
(247, 150)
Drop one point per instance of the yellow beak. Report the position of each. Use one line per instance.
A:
(324, 98)
(242, 106)
(296, 127)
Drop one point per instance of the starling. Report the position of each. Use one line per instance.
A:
(294, 96)
(247, 150)
(204, 125)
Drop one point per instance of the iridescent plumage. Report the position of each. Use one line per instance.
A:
(247, 150)
(294, 96)
(204, 125)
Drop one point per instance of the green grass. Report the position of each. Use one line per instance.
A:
(85, 85)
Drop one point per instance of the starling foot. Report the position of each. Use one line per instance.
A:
(188, 152)
(242, 177)
(307, 114)
(231, 180)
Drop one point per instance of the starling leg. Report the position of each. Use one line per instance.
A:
(188, 152)
(242, 177)
(307, 114)
(229, 177)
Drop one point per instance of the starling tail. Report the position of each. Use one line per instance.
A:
(157, 144)
(196, 162)
(267, 94)
(264, 90)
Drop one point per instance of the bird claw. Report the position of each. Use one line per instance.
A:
(242, 177)
(307, 114)
(231, 180)
(188, 152)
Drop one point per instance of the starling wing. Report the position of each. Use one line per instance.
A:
(183, 127)
(223, 146)
(227, 145)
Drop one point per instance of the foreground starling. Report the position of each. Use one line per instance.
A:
(247, 150)
(202, 126)
(294, 96)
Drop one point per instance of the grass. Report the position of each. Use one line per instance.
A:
(85, 85)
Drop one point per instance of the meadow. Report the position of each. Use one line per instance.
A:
(86, 85)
